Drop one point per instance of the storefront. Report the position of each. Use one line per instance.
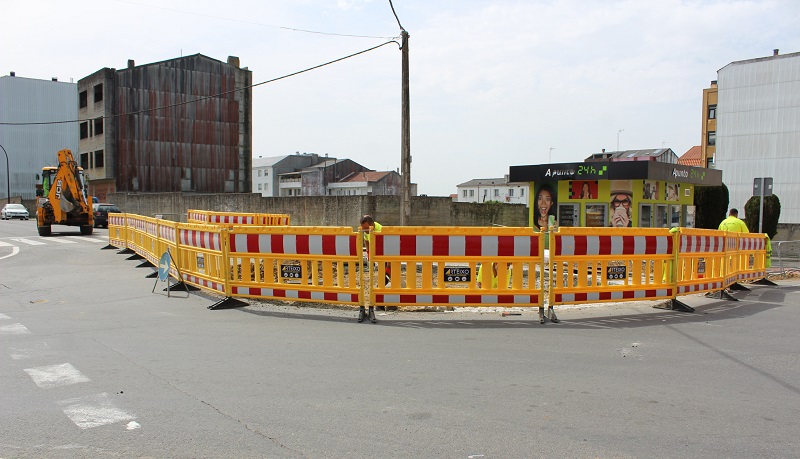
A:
(641, 194)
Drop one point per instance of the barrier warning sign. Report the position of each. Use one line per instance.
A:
(291, 271)
(616, 272)
(457, 274)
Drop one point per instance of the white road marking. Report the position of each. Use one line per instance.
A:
(56, 375)
(60, 240)
(87, 239)
(27, 352)
(94, 411)
(14, 251)
(27, 241)
(14, 329)
(3, 316)
(5, 244)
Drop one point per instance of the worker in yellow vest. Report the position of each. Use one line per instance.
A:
(733, 223)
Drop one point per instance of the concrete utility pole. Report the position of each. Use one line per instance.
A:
(405, 136)
(8, 175)
(405, 130)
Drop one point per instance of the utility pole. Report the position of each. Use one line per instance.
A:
(618, 132)
(405, 129)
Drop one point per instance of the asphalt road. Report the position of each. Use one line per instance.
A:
(93, 364)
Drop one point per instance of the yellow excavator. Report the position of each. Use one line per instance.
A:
(62, 197)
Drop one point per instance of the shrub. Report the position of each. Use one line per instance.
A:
(711, 206)
(772, 213)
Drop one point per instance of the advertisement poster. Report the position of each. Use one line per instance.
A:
(673, 191)
(583, 189)
(650, 190)
(545, 203)
(621, 203)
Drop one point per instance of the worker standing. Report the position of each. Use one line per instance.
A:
(733, 223)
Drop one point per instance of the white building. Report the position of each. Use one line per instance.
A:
(31, 146)
(492, 189)
(758, 129)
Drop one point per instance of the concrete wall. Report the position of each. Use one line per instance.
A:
(327, 210)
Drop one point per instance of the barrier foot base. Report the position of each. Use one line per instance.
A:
(135, 256)
(765, 281)
(739, 287)
(181, 285)
(152, 275)
(145, 264)
(675, 305)
(227, 303)
(721, 295)
(126, 252)
(108, 247)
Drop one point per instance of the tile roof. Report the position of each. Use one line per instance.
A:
(693, 157)
(371, 176)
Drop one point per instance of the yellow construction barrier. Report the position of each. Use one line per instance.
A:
(118, 230)
(237, 218)
(701, 261)
(592, 265)
(295, 263)
(199, 256)
(752, 256)
(442, 263)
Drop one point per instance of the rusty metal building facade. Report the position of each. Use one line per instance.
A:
(183, 124)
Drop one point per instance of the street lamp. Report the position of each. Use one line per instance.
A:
(618, 138)
(8, 175)
(549, 155)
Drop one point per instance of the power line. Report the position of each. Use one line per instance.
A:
(163, 107)
(293, 29)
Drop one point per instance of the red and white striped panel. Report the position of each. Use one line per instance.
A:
(731, 243)
(452, 299)
(167, 233)
(116, 220)
(340, 297)
(136, 224)
(198, 217)
(751, 275)
(730, 279)
(751, 243)
(612, 295)
(233, 219)
(456, 246)
(578, 245)
(151, 228)
(218, 286)
(201, 239)
(295, 244)
(702, 244)
(684, 289)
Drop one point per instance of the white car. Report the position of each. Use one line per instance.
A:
(14, 211)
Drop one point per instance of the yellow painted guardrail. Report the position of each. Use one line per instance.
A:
(237, 218)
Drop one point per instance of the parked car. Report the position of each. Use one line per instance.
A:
(14, 211)
(101, 211)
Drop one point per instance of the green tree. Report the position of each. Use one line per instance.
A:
(772, 213)
(711, 205)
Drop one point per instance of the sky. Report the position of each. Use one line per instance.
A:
(493, 84)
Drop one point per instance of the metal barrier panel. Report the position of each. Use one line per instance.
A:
(786, 256)
(295, 263)
(701, 261)
(752, 253)
(442, 264)
(118, 230)
(591, 265)
(200, 255)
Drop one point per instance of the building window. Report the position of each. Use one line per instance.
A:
(82, 99)
(511, 190)
(521, 192)
(98, 126)
(98, 93)
(259, 185)
(471, 193)
(710, 163)
(712, 138)
(259, 174)
(85, 160)
(98, 158)
(712, 112)
(84, 130)
(496, 192)
(465, 194)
